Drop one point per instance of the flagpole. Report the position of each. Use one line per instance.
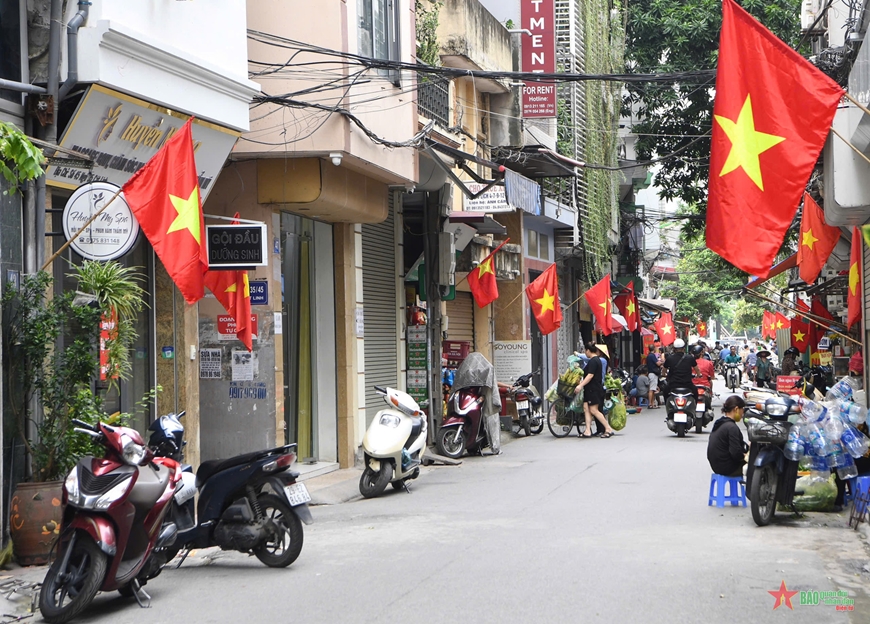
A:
(802, 314)
(82, 229)
(856, 103)
(855, 149)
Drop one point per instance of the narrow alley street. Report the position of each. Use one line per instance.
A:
(552, 530)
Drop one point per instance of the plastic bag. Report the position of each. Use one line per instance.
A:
(819, 493)
(551, 395)
(617, 416)
(577, 402)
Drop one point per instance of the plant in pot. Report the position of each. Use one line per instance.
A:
(52, 360)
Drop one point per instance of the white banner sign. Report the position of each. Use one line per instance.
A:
(112, 234)
(493, 200)
(511, 359)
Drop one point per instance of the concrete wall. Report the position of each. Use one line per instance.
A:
(509, 311)
(383, 108)
(467, 29)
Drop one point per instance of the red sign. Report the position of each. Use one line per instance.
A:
(786, 383)
(226, 326)
(539, 56)
(107, 331)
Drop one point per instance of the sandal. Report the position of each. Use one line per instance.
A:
(583, 435)
(606, 434)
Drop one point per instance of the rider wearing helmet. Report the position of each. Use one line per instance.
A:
(705, 366)
(789, 357)
(679, 367)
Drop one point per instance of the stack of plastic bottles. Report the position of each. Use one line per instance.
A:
(825, 436)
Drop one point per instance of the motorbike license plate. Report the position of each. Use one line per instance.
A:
(297, 494)
(522, 405)
(680, 417)
(699, 408)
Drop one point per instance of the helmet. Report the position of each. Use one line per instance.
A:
(697, 350)
(792, 351)
(679, 343)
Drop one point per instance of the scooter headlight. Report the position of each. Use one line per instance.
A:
(71, 485)
(390, 420)
(133, 454)
(775, 409)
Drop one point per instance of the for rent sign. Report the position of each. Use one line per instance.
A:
(539, 56)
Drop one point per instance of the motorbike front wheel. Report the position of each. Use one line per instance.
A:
(450, 442)
(373, 483)
(66, 593)
(762, 495)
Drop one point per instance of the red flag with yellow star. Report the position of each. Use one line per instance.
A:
(772, 114)
(164, 197)
(816, 241)
(626, 302)
(854, 280)
(665, 328)
(233, 290)
(780, 321)
(598, 298)
(701, 329)
(800, 334)
(767, 324)
(543, 295)
(482, 282)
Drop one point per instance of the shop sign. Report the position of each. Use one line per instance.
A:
(112, 234)
(538, 17)
(493, 200)
(512, 359)
(826, 358)
(226, 326)
(121, 133)
(787, 383)
(259, 292)
(236, 246)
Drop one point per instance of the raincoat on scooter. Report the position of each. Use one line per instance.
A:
(477, 371)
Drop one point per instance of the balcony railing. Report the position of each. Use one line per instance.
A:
(433, 99)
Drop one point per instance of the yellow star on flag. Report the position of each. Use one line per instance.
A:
(188, 214)
(746, 144)
(604, 305)
(666, 329)
(547, 302)
(702, 327)
(484, 268)
(630, 308)
(809, 239)
(799, 336)
(232, 288)
(779, 325)
(853, 279)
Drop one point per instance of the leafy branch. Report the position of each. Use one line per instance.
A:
(20, 160)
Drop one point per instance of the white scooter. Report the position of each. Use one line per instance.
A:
(393, 445)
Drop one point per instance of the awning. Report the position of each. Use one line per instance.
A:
(535, 162)
(483, 223)
(620, 320)
(460, 159)
(658, 305)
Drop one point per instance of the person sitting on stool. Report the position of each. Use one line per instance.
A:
(726, 448)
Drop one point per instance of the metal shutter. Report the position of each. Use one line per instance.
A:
(379, 309)
(461, 314)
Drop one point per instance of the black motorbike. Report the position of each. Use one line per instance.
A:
(770, 475)
(250, 503)
(529, 404)
(680, 409)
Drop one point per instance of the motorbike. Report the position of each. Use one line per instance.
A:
(463, 428)
(770, 475)
(113, 523)
(250, 503)
(704, 407)
(624, 378)
(530, 416)
(733, 374)
(680, 410)
(393, 445)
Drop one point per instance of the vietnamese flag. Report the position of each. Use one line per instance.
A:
(781, 321)
(772, 114)
(768, 321)
(482, 282)
(854, 280)
(665, 328)
(816, 241)
(543, 295)
(164, 197)
(701, 329)
(800, 334)
(233, 290)
(811, 334)
(602, 307)
(627, 305)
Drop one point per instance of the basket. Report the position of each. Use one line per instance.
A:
(772, 431)
(563, 414)
(566, 390)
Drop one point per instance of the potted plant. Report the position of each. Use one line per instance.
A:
(52, 356)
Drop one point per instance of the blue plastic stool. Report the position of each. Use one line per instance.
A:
(849, 495)
(862, 490)
(642, 402)
(737, 491)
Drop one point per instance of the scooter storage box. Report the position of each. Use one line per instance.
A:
(767, 430)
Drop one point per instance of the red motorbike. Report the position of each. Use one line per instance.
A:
(463, 429)
(113, 515)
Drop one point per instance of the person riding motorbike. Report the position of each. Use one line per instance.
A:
(679, 367)
(788, 361)
(705, 366)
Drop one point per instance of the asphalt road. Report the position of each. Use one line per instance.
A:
(552, 530)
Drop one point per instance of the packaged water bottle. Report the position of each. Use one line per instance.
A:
(836, 456)
(794, 447)
(854, 442)
(833, 427)
(853, 413)
(812, 411)
(847, 468)
(819, 464)
(840, 391)
(818, 440)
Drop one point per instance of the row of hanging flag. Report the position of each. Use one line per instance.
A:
(803, 331)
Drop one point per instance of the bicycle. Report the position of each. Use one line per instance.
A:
(562, 418)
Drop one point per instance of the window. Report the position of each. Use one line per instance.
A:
(10, 47)
(543, 246)
(532, 250)
(379, 32)
(537, 245)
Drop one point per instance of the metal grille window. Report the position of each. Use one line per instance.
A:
(433, 99)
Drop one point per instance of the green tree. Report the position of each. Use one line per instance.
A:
(677, 36)
(747, 316)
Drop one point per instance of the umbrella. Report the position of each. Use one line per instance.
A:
(620, 322)
(763, 353)
(645, 332)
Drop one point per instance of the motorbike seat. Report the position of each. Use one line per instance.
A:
(682, 391)
(416, 428)
(207, 469)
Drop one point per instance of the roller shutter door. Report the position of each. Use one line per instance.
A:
(380, 309)
(461, 313)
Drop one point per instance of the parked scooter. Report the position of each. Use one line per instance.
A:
(733, 374)
(770, 476)
(114, 509)
(393, 445)
(462, 429)
(680, 410)
(250, 503)
(530, 416)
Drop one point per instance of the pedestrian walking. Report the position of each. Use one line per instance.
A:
(592, 387)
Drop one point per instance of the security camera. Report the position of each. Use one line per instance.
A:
(336, 158)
